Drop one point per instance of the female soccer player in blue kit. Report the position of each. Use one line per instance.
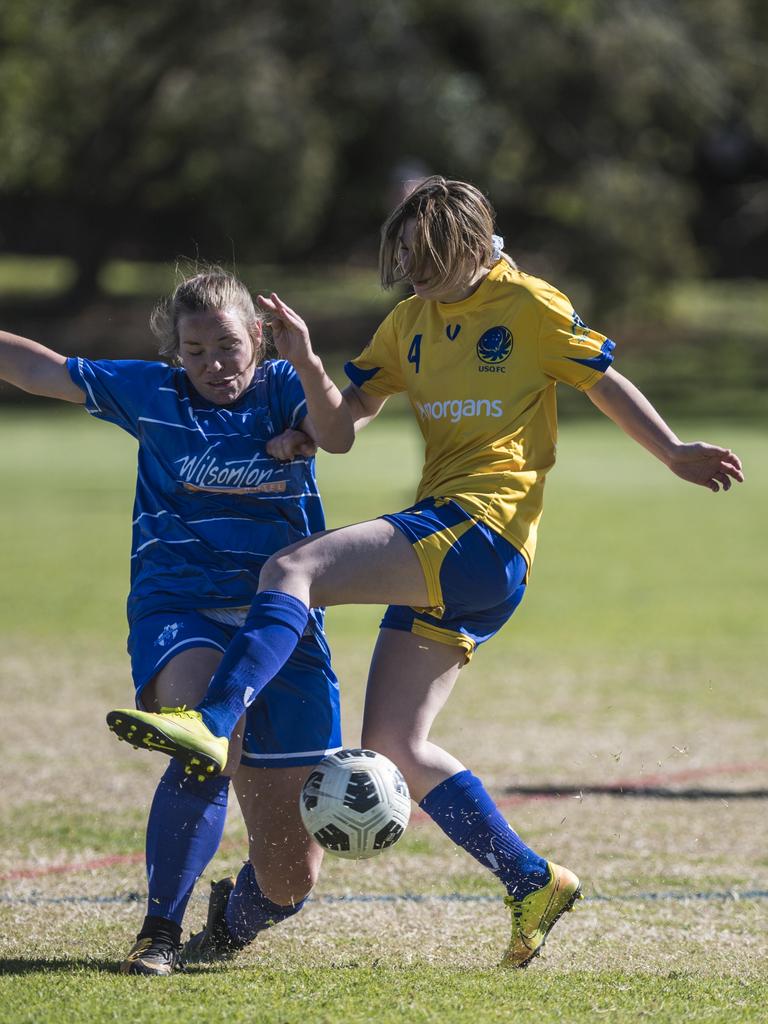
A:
(479, 349)
(212, 505)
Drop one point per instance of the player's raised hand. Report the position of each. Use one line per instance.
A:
(291, 444)
(707, 465)
(290, 333)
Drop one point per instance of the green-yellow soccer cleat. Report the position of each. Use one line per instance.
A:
(534, 915)
(174, 731)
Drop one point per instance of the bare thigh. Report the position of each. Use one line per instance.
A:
(285, 857)
(368, 563)
(183, 682)
(409, 683)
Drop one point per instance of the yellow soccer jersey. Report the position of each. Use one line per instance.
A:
(481, 376)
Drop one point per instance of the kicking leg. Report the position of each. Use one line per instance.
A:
(369, 563)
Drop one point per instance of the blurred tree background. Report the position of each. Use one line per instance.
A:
(624, 145)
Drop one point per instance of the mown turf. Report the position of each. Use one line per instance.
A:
(361, 993)
(637, 655)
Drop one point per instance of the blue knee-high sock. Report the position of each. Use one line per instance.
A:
(257, 652)
(183, 833)
(250, 912)
(466, 813)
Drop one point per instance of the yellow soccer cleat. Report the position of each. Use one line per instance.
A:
(534, 915)
(174, 731)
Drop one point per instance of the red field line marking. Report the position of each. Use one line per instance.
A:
(66, 869)
(417, 816)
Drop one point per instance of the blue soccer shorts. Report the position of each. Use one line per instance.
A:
(296, 718)
(475, 578)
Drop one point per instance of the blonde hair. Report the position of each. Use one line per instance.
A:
(453, 237)
(213, 290)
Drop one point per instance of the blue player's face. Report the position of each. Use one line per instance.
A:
(218, 354)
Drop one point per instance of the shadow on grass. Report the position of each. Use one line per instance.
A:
(63, 965)
(75, 965)
(638, 791)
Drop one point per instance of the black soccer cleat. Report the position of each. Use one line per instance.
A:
(214, 942)
(152, 955)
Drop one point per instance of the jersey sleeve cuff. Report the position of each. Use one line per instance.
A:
(75, 369)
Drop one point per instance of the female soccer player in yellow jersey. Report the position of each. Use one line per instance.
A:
(479, 349)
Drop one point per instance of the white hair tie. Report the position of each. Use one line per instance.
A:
(498, 247)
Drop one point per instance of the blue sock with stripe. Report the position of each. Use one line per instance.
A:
(184, 830)
(257, 652)
(464, 810)
(250, 912)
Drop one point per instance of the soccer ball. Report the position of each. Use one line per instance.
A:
(355, 803)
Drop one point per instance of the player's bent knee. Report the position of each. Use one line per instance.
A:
(287, 876)
(283, 570)
(284, 887)
(397, 748)
(272, 573)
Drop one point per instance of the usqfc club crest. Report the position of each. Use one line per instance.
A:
(494, 348)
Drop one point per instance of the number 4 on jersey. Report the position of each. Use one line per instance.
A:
(414, 352)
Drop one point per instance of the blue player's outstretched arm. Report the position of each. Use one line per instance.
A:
(36, 369)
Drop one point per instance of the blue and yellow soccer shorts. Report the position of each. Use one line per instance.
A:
(475, 578)
(296, 718)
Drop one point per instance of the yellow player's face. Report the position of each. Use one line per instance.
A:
(217, 352)
(424, 285)
(425, 279)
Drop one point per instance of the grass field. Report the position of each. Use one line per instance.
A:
(637, 660)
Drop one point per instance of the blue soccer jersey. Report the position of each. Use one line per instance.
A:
(211, 505)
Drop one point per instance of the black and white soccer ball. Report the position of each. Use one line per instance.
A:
(355, 803)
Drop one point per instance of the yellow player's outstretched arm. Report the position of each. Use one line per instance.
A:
(699, 463)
